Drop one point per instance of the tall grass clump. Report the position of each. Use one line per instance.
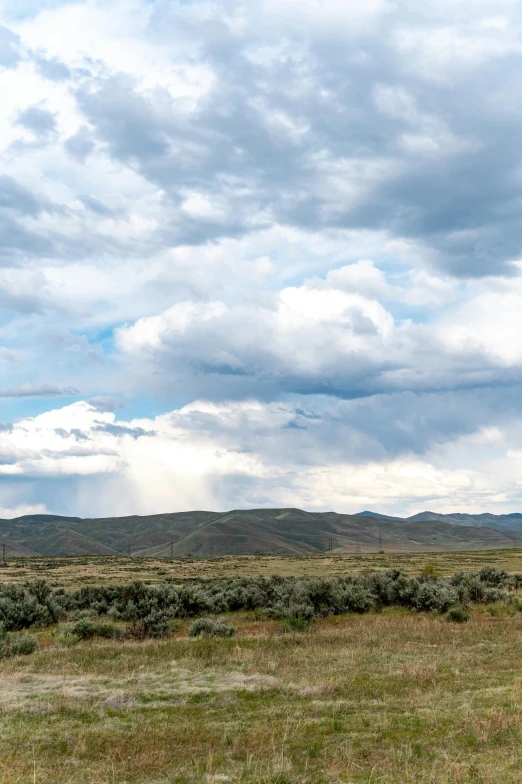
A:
(85, 629)
(206, 627)
(457, 615)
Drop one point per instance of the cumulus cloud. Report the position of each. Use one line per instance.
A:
(307, 340)
(326, 337)
(222, 456)
(246, 115)
(306, 213)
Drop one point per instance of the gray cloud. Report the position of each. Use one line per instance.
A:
(40, 121)
(9, 47)
(96, 206)
(325, 126)
(52, 68)
(20, 238)
(355, 432)
(332, 135)
(15, 197)
(80, 144)
(16, 241)
(271, 451)
(311, 340)
(75, 433)
(122, 430)
(38, 390)
(314, 137)
(24, 293)
(335, 129)
(17, 203)
(103, 403)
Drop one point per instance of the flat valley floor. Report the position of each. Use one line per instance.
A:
(385, 697)
(76, 571)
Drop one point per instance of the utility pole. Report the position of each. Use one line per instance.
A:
(172, 550)
(380, 541)
(358, 547)
(3, 553)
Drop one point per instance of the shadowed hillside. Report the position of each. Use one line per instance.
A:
(251, 531)
(69, 542)
(510, 522)
(14, 550)
(505, 522)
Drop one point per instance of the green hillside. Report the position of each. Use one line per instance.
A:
(250, 531)
(294, 531)
(509, 522)
(14, 550)
(140, 532)
(69, 542)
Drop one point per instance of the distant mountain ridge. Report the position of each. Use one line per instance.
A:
(504, 522)
(256, 531)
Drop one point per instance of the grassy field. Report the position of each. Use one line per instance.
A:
(390, 697)
(67, 572)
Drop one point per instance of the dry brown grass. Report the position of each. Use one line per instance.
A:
(383, 698)
(75, 571)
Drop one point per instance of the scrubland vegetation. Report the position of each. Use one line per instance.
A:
(149, 609)
(374, 677)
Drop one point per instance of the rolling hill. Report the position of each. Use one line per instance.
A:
(506, 522)
(256, 531)
(15, 550)
(510, 522)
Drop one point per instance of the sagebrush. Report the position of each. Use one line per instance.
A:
(148, 610)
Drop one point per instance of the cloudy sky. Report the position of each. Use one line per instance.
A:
(260, 253)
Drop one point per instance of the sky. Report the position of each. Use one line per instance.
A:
(263, 253)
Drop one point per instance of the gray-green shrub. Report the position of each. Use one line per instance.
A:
(17, 645)
(21, 644)
(85, 629)
(150, 610)
(457, 615)
(206, 627)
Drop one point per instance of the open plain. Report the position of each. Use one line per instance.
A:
(393, 696)
(75, 571)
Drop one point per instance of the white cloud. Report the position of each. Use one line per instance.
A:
(489, 323)
(22, 509)
(262, 201)
(112, 38)
(333, 16)
(332, 334)
(363, 277)
(221, 456)
(304, 334)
